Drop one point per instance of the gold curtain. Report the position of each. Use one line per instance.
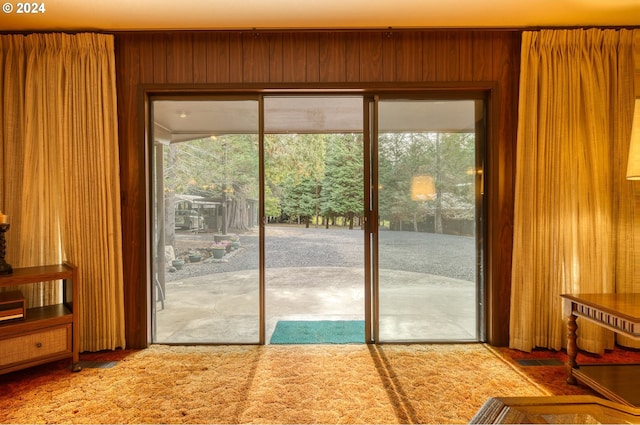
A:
(574, 209)
(60, 170)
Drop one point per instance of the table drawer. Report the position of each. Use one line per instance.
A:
(32, 346)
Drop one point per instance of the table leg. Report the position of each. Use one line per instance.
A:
(572, 349)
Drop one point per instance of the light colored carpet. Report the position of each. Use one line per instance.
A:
(269, 384)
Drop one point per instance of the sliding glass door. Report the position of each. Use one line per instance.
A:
(205, 214)
(427, 284)
(260, 206)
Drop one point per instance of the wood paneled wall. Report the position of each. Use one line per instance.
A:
(323, 59)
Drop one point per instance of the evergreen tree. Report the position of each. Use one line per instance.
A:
(292, 160)
(446, 157)
(343, 193)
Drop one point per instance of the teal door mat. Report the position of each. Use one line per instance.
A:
(318, 332)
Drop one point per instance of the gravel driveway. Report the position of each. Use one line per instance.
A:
(289, 246)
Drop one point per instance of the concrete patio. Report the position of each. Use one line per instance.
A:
(224, 307)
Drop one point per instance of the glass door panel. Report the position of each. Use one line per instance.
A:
(427, 281)
(313, 166)
(205, 233)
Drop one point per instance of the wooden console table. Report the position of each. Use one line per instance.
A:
(45, 333)
(619, 313)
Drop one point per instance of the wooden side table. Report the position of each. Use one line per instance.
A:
(619, 313)
(45, 333)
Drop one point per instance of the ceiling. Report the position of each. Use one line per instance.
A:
(183, 120)
(124, 15)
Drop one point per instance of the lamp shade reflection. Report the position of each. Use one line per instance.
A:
(633, 166)
(423, 188)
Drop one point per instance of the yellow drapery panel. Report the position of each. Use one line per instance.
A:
(60, 170)
(573, 206)
(18, 159)
(629, 231)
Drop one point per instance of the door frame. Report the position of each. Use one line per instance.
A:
(488, 292)
(372, 270)
(154, 161)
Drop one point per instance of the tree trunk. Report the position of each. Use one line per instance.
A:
(438, 214)
(238, 214)
(317, 205)
(170, 198)
(437, 219)
(170, 218)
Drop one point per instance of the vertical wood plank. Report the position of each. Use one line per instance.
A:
(371, 60)
(389, 56)
(218, 58)
(466, 55)
(146, 58)
(236, 72)
(294, 58)
(408, 56)
(482, 56)
(313, 57)
(429, 56)
(159, 49)
(180, 58)
(255, 57)
(276, 64)
(352, 57)
(200, 58)
(501, 160)
(132, 189)
(332, 61)
(448, 57)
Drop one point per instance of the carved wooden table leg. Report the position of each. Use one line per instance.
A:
(572, 349)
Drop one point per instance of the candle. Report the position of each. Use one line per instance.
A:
(4, 218)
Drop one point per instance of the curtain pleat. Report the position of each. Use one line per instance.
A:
(628, 206)
(572, 200)
(60, 171)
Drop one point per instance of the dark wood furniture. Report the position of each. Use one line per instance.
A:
(46, 333)
(619, 313)
(554, 410)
